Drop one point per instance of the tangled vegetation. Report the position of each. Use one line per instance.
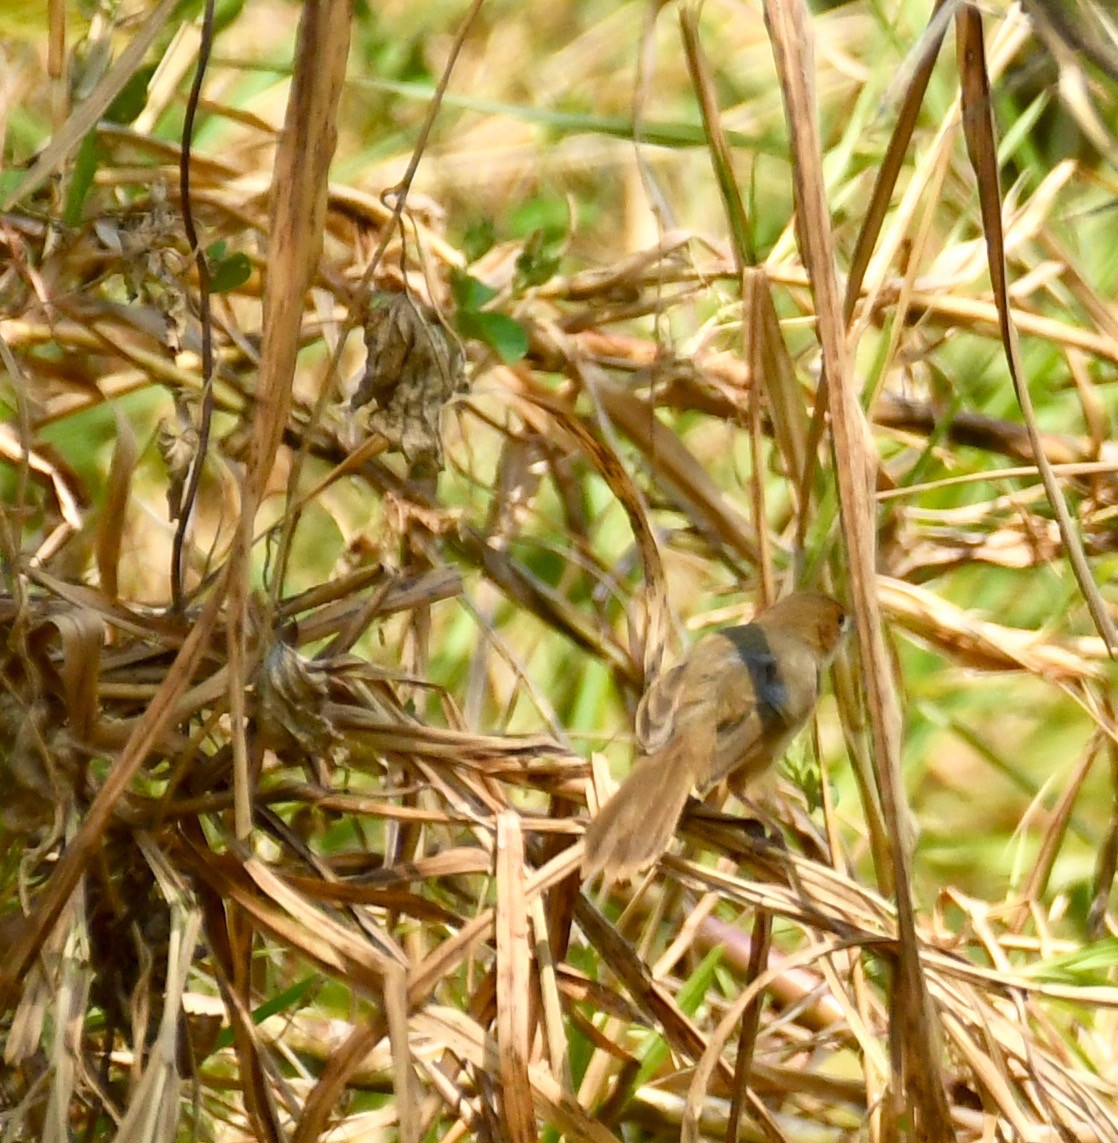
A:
(388, 395)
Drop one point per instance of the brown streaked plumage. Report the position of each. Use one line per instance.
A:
(730, 707)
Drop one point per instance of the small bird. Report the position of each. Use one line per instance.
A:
(728, 709)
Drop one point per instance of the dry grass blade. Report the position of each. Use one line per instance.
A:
(71, 997)
(396, 1016)
(81, 636)
(551, 1004)
(744, 1011)
(296, 221)
(1106, 863)
(297, 217)
(891, 163)
(770, 362)
(514, 991)
(111, 523)
(912, 1026)
(649, 996)
(153, 1112)
(1071, 20)
(678, 468)
(984, 645)
(890, 167)
(978, 129)
(344, 1062)
(741, 239)
(760, 948)
(1056, 832)
(231, 941)
(453, 1029)
(756, 332)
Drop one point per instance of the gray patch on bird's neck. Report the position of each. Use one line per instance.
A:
(753, 649)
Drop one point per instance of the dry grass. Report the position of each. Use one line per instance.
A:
(295, 780)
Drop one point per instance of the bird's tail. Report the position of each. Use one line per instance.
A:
(637, 824)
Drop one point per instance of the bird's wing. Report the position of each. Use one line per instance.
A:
(764, 694)
(742, 741)
(656, 712)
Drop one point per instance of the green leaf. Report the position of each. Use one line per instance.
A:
(507, 337)
(289, 998)
(478, 239)
(225, 12)
(469, 292)
(544, 216)
(672, 133)
(691, 995)
(9, 180)
(539, 260)
(132, 98)
(1088, 966)
(697, 985)
(230, 273)
(81, 178)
